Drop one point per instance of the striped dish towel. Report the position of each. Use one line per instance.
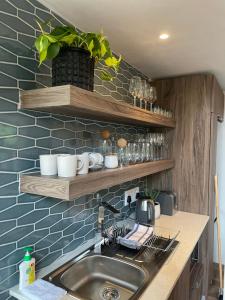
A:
(136, 237)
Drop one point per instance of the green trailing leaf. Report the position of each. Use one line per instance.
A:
(53, 50)
(48, 46)
(106, 76)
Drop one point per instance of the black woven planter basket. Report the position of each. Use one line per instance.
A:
(73, 66)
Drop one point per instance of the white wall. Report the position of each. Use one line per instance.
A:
(221, 179)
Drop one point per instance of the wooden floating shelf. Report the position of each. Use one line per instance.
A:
(74, 101)
(74, 187)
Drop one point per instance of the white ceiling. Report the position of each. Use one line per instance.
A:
(196, 27)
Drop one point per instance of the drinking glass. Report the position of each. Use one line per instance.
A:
(146, 94)
(152, 97)
(141, 92)
(134, 87)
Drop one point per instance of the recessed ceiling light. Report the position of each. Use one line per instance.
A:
(164, 36)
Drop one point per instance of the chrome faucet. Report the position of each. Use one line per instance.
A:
(101, 211)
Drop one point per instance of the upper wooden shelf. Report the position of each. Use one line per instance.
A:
(74, 187)
(71, 100)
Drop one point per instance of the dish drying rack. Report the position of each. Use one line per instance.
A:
(161, 240)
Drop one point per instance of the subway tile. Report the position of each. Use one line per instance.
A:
(7, 249)
(33, 217)
(50, 258)
(9, 190)
(63, 134)
(40, 254)
(7, 81)
(48, 221)
(15, 212)
(32, 238)
(16, 119)
(75, 126)
(8, 8)
(6, 130)
(5, 295)
(24, 5)
(46, 80)
(6, 31)
(6, 105)
(28, 41)
(28, 63)
(27, 198)
(12, 258)
(63, 150)
(32, 153)
(73, 245)
(6, 226)
(34, 132)
(10, 281)
(16, 24)
(48, 241)
(16, 233)
(27, 85)
(90, 235)
(16, 165)
(73, 228)
(9, 93)
(29, 18)
(7, 272)
(61, 243)
(46, 202)
(7, 56)
(16, 142)
(83, 231)
(74, 143)
(16, 71)
(7, 202)
(16, 47)
(61, 207)
(91, 219)
(50, 123)
(61, 225)
(38, 5)
(83, 215)
(7, 154)
(73, 211)
(49, 143)
(62, 117)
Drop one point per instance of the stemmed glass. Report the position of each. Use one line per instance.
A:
(146, 94)
(141, 93)
(152, 96)
(134, 87)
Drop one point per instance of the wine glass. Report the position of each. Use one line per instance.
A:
(142, 91)
(146, 94)
(152, 96)
(134, 87)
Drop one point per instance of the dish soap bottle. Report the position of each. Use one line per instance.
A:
(27, 269)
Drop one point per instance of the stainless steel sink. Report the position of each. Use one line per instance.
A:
(100, 277)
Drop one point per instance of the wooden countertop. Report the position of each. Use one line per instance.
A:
(191, 227)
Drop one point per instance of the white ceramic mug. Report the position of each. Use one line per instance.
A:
(96, 160)
(48, 164)
(111, 161)
(68, 165)
(87, 163)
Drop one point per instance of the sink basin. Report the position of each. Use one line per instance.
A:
(100, 277)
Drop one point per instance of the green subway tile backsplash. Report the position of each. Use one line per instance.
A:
(51, 226)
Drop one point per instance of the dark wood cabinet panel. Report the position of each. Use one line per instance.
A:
(196, 100)
(182, 288)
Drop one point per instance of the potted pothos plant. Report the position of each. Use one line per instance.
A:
(74, 55)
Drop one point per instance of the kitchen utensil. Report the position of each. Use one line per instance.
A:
(145, 211)
(111, 161)
(219, 246)
(68, 165)
(84, 168)
(167, 201)
(48, 164)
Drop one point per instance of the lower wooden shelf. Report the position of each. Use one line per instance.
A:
(74, 187)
